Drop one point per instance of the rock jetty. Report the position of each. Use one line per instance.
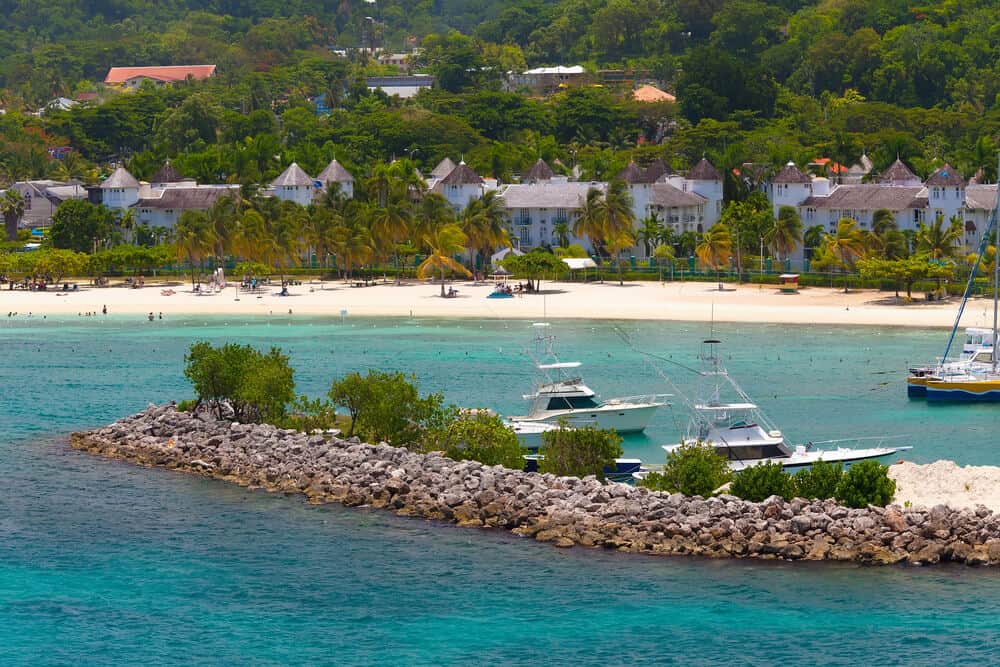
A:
(564, 511)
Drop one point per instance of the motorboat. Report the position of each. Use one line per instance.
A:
(727, 419)
(976, 379)
(560, 395)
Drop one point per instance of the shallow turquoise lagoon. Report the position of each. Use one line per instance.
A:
(102, 562)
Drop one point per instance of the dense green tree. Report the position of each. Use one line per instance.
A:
(81, 226)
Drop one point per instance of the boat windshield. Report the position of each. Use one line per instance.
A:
(572, 403)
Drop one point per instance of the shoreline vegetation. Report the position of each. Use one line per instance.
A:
(677, 301)
(564, 511)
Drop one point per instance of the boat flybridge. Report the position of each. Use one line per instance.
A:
(740, 431)
(561, 395)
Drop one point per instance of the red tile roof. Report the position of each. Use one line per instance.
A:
(167, 74)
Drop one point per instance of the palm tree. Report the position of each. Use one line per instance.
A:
(716, 249)
(561, 232)
(485, 224)
(650, 233)
(847, 245)
(391, 224)
(352, 242)
(319, 230)
(589, 221)
(664, 254)
(222, 217)
(618, 241)
(252, 238)
(786, 234)
(618, 214)
(286, 233)
(813, 238)
(444, 242)
(194, 239)
(434, 211)
(12, 209)
(938, 241)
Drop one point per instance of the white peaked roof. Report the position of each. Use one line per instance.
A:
(501, 254)
(292, 176)
(335, 173)
(444, 167)
(121, 178)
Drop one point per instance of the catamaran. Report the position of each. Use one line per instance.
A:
(725, 417)
(975, 377)
(560, 395)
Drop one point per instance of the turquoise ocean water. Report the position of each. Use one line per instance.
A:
(102, 562)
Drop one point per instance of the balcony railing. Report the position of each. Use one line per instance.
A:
(522, 222)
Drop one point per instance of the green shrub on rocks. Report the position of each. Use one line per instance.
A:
(866, 483)
(259, 386)
(693, 469)
(762, 481)
(478, 437)
(578, 452)
(387, 407)
(819, 480)
(187, 405)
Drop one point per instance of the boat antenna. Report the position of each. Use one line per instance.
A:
(631, 345)
(993, 226)
(996, 266)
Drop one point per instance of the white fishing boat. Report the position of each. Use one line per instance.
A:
(975, 376)
(724, 417)
(561, 396)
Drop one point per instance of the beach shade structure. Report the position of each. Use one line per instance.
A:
(502, 254)
(789, 283)
(579, 263)
(500, 273)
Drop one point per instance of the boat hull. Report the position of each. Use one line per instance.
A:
(623, 470)
(985, 391)
(916, 387)
(631, 419)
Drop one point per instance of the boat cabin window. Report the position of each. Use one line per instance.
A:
(572, 403)
(983, 357)
(750, 453)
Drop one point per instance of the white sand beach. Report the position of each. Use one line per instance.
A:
(946, 483)
(682, 301)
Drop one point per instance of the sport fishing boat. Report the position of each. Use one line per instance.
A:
(977, 380)
(740, 431)
(561, 396)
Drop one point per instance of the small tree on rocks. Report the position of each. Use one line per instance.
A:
(762, 481)
(578, 452)
(866, 483)
(478, 437)
(819, 480)
(693, 469)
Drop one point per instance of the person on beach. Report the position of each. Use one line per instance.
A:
(104, 310)
(151, 317)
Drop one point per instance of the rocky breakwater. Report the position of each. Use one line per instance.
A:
(564, 511)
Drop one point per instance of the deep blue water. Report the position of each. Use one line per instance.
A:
(102, 562)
